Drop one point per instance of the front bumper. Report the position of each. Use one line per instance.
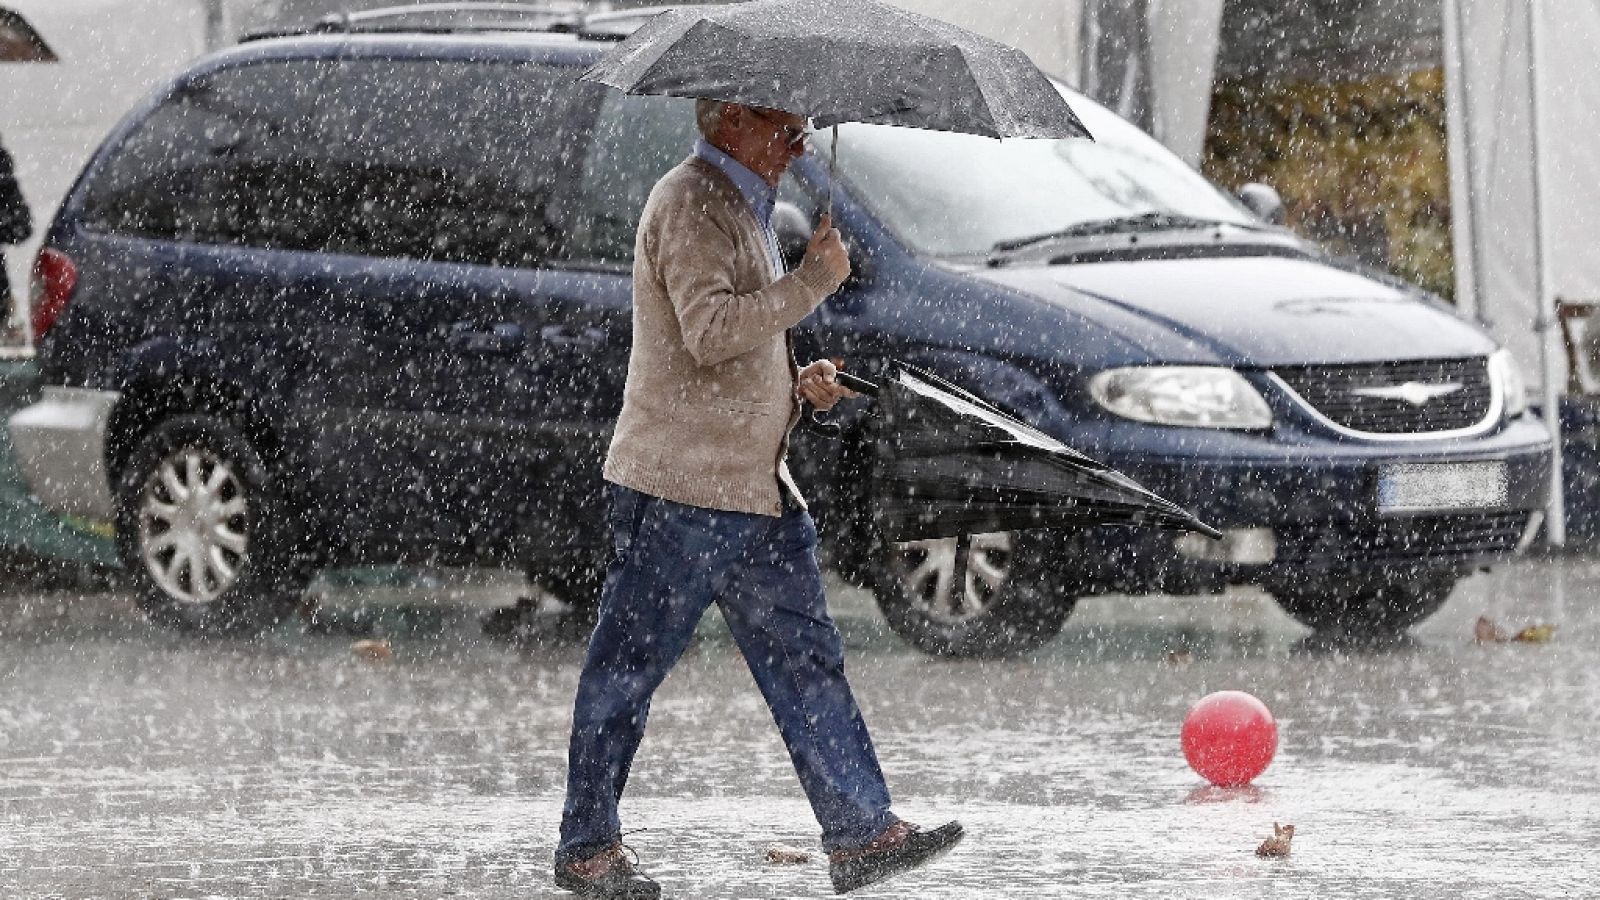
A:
(60, 446)
(1307, 510)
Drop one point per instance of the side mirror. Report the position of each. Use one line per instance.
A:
(794, 233)
(1264, 201)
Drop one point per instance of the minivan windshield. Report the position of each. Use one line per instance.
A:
(949, 194)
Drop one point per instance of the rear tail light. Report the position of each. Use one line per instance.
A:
(54, 280)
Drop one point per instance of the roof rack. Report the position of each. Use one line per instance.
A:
(621, 23)
(461, 16)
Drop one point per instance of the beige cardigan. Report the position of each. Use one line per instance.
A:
(710, 396)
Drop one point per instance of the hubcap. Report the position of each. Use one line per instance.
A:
(928, 570)
(194, 526)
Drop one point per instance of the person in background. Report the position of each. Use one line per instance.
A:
(16, 226)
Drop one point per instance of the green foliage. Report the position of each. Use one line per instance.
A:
(1361, 165)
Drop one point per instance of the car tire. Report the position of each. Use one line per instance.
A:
(1366, 607)
(1012, 601)
(200, 529)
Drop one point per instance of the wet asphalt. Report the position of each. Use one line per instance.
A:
(136, 763)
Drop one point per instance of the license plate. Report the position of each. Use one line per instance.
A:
(1423, 487)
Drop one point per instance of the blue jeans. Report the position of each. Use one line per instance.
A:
(669, 562)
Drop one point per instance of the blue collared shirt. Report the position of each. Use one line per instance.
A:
(755, 190)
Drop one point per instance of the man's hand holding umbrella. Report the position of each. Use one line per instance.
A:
(828, 246)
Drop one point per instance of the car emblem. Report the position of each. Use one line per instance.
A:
(1412, 392)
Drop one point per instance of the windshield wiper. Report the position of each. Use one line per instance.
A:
(1150, 221)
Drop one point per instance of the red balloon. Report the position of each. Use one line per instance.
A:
(1229, 738)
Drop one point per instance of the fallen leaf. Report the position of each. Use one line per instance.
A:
(1277, 846)
(373, 650)
(779, 855)
(1487, 632)
(1535, 634)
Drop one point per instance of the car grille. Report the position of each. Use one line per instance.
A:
(1414, 539)
(1332, 391)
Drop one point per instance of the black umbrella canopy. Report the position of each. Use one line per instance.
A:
(841, 61)
(950, 464)
(19, 42)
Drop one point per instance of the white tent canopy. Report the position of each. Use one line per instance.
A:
(1496, 148)
(1525, 107)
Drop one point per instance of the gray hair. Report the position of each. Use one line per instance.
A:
(708, 116)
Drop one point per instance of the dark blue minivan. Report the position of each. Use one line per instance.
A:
(340, 299)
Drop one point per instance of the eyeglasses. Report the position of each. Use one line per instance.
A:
(795, 135)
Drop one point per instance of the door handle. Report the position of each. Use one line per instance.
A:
(501, 338)
(573, 337)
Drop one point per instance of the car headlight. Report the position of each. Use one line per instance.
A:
(1505, 372)
(1192, 396)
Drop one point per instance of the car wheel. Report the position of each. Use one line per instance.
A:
(1009, 602)
(1366, 607)
(199, 529)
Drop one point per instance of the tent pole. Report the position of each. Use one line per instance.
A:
(1464, 193)
(1545, 321)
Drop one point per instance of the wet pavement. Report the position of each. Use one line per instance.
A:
(135, 763)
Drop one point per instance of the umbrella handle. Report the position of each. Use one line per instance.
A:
(859, 385)
(818, 422)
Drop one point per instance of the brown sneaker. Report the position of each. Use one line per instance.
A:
(609, 875)
(902, 846)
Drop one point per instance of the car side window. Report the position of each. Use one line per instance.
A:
(635, 141)
(423, 159)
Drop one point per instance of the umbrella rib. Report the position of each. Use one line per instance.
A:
(607, 70)
(983, 97)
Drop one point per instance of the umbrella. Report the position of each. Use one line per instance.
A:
(19, 42)
(950, 464)
(841, 61)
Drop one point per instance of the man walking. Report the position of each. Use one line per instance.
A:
(703, 509)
